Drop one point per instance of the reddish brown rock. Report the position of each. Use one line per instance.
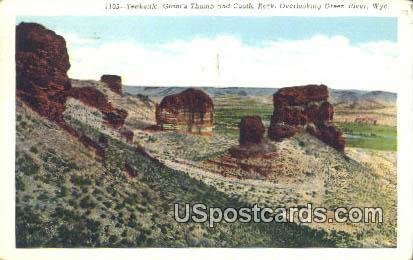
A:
(252, 143)
(115, 117)
(251, 130)
(290, 115)
(300, 95)
(306, 107)
(312, 112)
(279, 131)
(332, 136)
(326, 112)
(114, 82)
(41, 65)
(42, 83)
(191, 111)
(92, 97)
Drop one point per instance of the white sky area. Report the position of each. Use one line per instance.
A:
(333, 61)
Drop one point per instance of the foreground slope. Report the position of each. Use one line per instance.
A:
(65, 197)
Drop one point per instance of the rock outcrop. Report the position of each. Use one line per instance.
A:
(305, 108)
(191, 111)
(114, 82)
(251, 130)
(252, 143)
(94, 98)
(42, 63)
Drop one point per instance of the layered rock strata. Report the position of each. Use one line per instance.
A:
(191, 111)
(305, 108)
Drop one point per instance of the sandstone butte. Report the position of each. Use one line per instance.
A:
(42, 62)
(114, 82)
(305, 108)
(190, 111)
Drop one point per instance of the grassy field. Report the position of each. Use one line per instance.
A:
(230, 109)
(376, 137)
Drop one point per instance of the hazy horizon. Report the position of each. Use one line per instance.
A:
(241, 87)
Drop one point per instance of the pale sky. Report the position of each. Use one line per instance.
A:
(341, 52)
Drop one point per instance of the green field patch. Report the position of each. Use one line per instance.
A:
(229, 111)
(378, 137)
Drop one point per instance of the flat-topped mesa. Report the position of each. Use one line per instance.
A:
(191, 111)
(114, 82)
(305, 108)
(251, 130)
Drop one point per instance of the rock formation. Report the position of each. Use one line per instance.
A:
(251, 130)
(114, 82)
(42, 63)
(305, 108)
(191, 111)
(92, 97)
(251, 140)
(42, 83)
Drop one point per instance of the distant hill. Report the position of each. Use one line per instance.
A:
(348, 97)
(213, 91)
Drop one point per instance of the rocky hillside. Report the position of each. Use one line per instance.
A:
(85, 202)
(140, 109)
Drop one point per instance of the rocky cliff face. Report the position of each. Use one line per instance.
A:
(190, 111)
(114, 82)
(42, 63)
(42, 83)
(305, 108)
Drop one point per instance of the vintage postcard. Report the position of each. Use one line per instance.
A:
(211, 125)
